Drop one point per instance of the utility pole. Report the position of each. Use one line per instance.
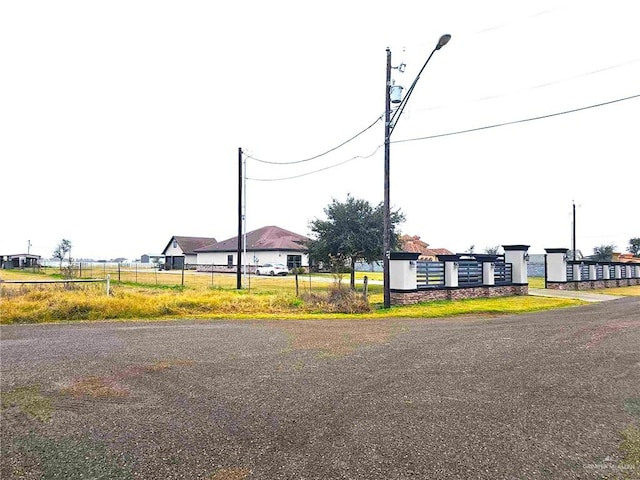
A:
(239, 252)
(574, 231)
(386, 239)
(28, 247)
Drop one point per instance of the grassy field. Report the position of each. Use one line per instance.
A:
(319, 296)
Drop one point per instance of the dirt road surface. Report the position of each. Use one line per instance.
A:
(545, 395)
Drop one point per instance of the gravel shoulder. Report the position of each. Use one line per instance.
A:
(544, 395)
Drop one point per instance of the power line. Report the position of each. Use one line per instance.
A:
(321, 154)
(550, 115)
(533, 87)
(317, 171)
(458, 132)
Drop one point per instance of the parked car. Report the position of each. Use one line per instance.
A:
(272, 269)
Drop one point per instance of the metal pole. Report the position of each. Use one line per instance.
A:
(574, 231)
(239, 252)
(386, 241)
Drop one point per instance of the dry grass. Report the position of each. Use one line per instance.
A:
(633, 291)
(95, 387)
(269, 298)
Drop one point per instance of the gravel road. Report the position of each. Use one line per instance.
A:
(533, 396)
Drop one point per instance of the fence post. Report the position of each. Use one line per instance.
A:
(296, 274)
(108, 284)
(488, 268)
(517, 256)
(365, 292)
(556, 267)
(403, 273)
(118, 272)
(183, 274)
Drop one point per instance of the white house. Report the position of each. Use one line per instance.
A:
(180, 251)
(265, 245)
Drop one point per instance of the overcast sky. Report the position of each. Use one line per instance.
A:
(120, 121)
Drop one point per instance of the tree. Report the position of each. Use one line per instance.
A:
(471, 249)
(603, 253)
(634, 247)
(353, 231)
(495, 250)
(63, 248)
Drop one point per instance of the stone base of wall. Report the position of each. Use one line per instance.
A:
(594, 284)
(420, 296)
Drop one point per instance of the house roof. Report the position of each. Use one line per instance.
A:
(26, 255)
(413, 244)
(188, 245)
(265, 238)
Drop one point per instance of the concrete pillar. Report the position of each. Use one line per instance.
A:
(577, 272)
(450, 269)
(403, 272)
(606, 271)
(517, 256)
(618, 271)
(637, 275)
(488, 268)
(556, 264)
(593, 272)
(629, 273)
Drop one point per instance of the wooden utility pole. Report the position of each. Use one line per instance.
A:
(239, 252)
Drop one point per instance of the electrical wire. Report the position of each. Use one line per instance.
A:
(541, 117)
(317, 171)
(533, 87)
(321, 154)
(448, 134)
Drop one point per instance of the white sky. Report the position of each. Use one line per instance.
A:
(120, 121)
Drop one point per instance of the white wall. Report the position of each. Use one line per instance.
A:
(173, 252)
(220, 258)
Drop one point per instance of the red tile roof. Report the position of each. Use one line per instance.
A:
(265, 238)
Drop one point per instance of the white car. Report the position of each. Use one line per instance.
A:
(272, 269)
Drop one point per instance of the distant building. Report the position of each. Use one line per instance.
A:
(19, 260)
(413, 244)
(147, 258)
(181, 251)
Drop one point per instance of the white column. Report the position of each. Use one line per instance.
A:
(403, 271)
(488, 273)
(557, 264)
(577, 272)
(618, 271)
(593, 275)
(606, 271)
(450, 273)
(517, 256)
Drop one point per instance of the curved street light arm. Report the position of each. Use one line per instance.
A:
(396, 115)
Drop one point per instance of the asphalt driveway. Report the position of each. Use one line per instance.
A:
(544, 395)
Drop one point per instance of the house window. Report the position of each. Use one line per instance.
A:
(175, 244)
(230, 260)
(294, 261)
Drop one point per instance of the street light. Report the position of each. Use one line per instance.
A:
(390, 123)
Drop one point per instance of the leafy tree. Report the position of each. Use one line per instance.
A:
(634, 246)
(603, 253)
(353, 231)
(63, 248)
